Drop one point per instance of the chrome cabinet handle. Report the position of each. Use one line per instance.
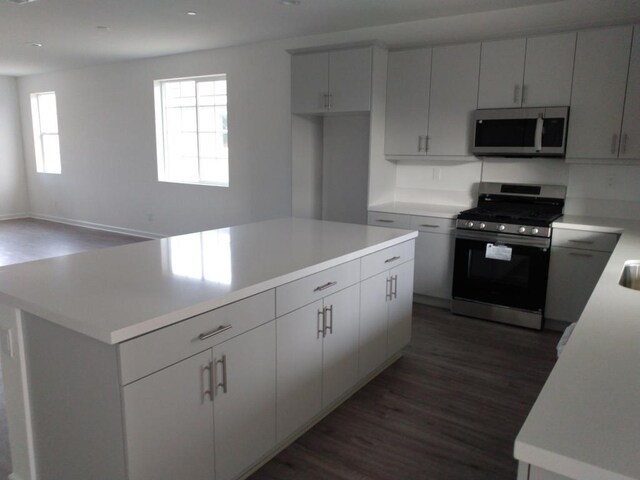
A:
(525, 92)
(325, 286)
(576, 254)
(220, 329)
(623, 147)
(209, 378)
(585, 242)
(516, 94)
(614, 143)
(384, 220)
(389, 290)
(394, 286)
(538, 133)
(321, 330)
(429, 226)
(330, 101)
(420, 137)
(328, 325)
(392, 259)
(222, 384)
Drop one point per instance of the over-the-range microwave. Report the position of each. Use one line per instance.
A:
(520, 132)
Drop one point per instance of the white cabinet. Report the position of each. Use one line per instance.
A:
(431, 94)
(170, 415)
(407, 114)
(337, 81)
(317, 357)
(577, 261)
(531, 72)
(385, 315)
(434, 256)
(169, 423)
(630, 140)
(597, 100)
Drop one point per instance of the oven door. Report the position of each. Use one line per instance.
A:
(500, 269)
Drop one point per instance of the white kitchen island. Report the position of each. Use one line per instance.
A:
(198, 356)
(585, 424)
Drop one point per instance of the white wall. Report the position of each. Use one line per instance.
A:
(107, 141)
(13, 185)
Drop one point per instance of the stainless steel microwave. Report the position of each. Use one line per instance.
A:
(521, 132)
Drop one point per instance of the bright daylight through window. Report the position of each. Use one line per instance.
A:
(191, 130)
(45, 132)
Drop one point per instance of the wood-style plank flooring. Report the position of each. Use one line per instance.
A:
(25, 240)
(449, 409)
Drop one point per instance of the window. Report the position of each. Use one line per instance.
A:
(191, 130)
(45, 132)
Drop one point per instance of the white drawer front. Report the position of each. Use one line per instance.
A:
(387, 259)
(603, 242)
(393, 220)
(433, 224)
(151, 352)
(298, 293)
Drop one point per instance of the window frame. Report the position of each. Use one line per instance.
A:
(162, 132)
(39, 135)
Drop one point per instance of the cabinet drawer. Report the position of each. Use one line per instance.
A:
(298, 293)
(433, 224)
(149, 353)
(603, 242)
(387, 258)
(393, 220)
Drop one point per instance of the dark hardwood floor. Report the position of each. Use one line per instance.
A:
(449, 409)
(25, 240)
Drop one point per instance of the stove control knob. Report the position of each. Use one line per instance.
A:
(470, 224)
(501, 227)
(522, 230)
(482, 225)
(535, 231)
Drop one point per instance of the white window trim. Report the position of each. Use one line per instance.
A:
(161, 140)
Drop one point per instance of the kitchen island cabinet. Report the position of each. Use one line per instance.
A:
(140, 362)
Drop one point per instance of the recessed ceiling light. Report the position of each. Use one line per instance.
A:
(20, 2)
(34, 44)
(289, 3)
(192, 13)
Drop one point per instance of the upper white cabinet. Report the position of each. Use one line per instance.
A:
(531, 72)
(331, 82)
(630, 140)
(407, 116)
(599, 84)
(431, 94)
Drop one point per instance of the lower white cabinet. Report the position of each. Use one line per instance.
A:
(434, 264)
(317, 357)
(385, 315)
(170, 415)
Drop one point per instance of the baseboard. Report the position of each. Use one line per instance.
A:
(97, 226)
(555, 325)
(13, 476)
(14, 216)
(432, 301)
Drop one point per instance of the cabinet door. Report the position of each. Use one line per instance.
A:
(573, 275)
(374, 295)
(630, 144)
(299, 368)
(245, 414)
(501, 73)
(434, 264)
(169, 423)
(597, 99)
(407, 112)
(340, 345)
(309, 82)
(454, 98)
(548, 70)
(400, 308)
(350, 80)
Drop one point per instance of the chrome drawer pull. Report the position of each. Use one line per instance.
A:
(384, 220)
(575, 254)
(220, 329)
(325, 286)
(430, 226)
(586, 242)
(392, 259)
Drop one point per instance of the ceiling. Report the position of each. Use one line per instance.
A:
(69, 32)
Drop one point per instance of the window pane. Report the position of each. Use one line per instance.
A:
(206, 119)
(207, 144)
(220, 87)
(205, 88)
(215, 170)
(184, 169)
(51, 147)
(48, 114)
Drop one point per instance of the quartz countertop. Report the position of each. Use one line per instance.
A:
(422, 209)
(118, 293)
(585, 423)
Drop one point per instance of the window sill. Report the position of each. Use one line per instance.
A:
(205, 184)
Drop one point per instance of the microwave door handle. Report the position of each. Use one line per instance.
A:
(538, 135)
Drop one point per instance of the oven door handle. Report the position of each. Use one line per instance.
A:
(501, 238)
(538, 134)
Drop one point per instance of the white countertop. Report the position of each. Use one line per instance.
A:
(118, 293)
(422, 209)
(586, 422)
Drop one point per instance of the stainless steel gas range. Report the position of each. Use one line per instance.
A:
(502, 253)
